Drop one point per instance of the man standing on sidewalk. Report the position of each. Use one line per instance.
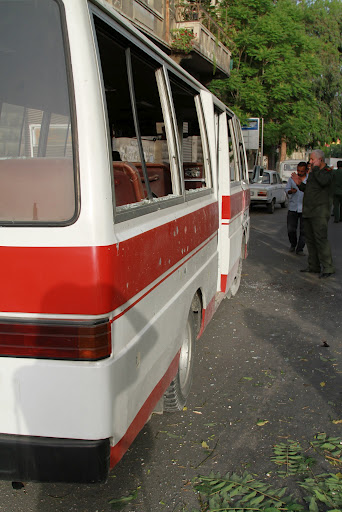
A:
(294, 214)
(317, 203)
(337, 189)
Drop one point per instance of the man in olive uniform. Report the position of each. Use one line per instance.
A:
(317, 204)
(337, 189)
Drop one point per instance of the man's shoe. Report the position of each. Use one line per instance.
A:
(324, 275)
(310, 271)
(300, 252)
(292, 248)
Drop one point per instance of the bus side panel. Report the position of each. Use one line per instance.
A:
(146, 330)
(57, 399)
(147, 339)
(233, 228)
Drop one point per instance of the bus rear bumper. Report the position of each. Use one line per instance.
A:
(43, 459)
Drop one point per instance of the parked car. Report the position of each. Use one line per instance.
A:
(268, 189)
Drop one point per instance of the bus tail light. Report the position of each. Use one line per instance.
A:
(73, 341)
(262, 193)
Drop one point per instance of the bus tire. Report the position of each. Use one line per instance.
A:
(237, 280)
(176, 394)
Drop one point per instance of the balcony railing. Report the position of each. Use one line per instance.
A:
(209, 39)
(194, 12)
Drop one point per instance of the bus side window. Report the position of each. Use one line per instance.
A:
(232, 161)
(241, 152)
(193, 137)
(138, 119)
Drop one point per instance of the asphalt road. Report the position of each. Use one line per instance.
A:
(263, 374)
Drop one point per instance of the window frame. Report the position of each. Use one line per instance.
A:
(242, 152)
(169, 114)
(181, 81)
(231, 131)
(134, 210)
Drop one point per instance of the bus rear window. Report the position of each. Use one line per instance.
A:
(37, 183)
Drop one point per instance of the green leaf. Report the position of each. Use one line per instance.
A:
(313, 505)
(327, 446)
(257, 500)
(321, 497)
(248, 497)
(261, 423)
(122, 502)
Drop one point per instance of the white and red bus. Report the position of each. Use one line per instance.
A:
(124, 221)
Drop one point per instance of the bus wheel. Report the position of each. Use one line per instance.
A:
(176, 394)
(237, 280)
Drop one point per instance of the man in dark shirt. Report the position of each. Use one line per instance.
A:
(317, 204)
(337, 189)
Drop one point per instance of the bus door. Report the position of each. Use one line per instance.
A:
(233, 195)
(244, 186)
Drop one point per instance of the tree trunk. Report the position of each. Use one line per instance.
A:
(271, 154)
(283, 149)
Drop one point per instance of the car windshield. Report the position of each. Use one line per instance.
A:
(265, 178)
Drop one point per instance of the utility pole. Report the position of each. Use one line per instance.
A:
(261, 142)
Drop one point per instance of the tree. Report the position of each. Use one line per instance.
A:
(278, 69)
(323, 20)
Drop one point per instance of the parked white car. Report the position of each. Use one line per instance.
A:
(268, 190)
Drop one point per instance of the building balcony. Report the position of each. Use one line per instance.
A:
(209, 56)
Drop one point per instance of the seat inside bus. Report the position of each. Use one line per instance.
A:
(37, 189)
(127, 183)
(159, 177)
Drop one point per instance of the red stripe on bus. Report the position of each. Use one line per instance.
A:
(159, 282)
(232, 272)
(207, 315)
(232, 205)
(97, 280)
(118, 451)
(235, 204)
(225, 207)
